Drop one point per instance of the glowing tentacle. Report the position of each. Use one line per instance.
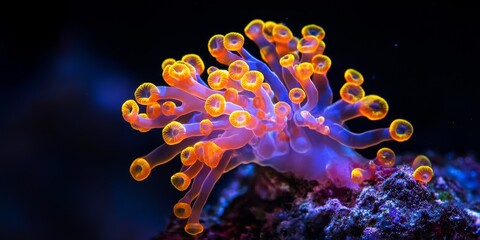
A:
(193, 225)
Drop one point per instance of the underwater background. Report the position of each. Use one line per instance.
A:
(67, 67)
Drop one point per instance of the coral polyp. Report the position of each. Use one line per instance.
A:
(277, 111)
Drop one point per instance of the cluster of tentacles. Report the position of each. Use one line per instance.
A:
(276, 112)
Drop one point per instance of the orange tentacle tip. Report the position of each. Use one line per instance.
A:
(153, 110)
(168, 108)
(386, 157)
(206, 127)
(180, 181)
(351, 93)
(212, 154)
(287, 60)
(193, 228)
(182, 210)
(297, 95)
(196, 61)
(252, 81)
(423, 174)
(373, 107)
(231, 95)
(259, 103)
(140, 169)
(215, 105)
(240, 118)
(303, 71)
(353, 76)
(130, 111)
(218, 79)
(215, 45)
(282, 109)
(254, 28)
(198, 150)
(173, 133)
(313, 30)
(233, 41)
(421, 160)
(282, 33)
(358, 175)
(188, 156)
(268, 30)
(147, 93)
(167, 62)
(308, 44)
(237, 69)
(401, 130)
(321, 64)
(180, 72)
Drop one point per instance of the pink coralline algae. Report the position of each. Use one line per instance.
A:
(278, 112)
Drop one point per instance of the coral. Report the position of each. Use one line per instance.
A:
(396, 206)
(278, 112)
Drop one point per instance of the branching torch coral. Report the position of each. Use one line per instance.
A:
(277, 111)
